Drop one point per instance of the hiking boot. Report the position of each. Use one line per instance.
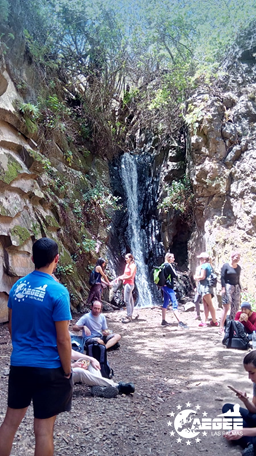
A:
(182, 325)
(249, 451)
(165, 323)
(125, 388)
(104, 391)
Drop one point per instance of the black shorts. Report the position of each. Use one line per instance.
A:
(50, 391)
(104, 338)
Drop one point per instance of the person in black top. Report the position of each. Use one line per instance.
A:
(168, 292)
(231, 288)
(96, 289)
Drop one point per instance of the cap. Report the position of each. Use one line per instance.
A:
(203, 255)
(246, 305)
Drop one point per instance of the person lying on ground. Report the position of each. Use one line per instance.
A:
(247, 435)
(94, 327)
(247, 317)
(86, 370)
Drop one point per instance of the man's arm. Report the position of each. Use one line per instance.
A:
(85, 328)
(64, 345)
(76, 355)
(10, 321)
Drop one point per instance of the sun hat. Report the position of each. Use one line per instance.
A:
(203, 255)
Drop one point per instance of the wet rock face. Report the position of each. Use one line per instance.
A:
(222, 163)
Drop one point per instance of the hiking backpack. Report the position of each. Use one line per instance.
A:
(235, 336)
(92, 278)
(159, 276)
(99, 352)
(212, 279)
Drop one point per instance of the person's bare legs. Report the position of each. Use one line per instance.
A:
(206, 310)
(8, 429)
(224, 315)
(208, 300)
(44, 436)
(113, 341)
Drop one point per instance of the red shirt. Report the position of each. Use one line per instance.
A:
(128, 271)
(250, 324)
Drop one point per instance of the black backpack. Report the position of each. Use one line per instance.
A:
(99, 352)
(93, 277)
(235, 336)
(212, 279)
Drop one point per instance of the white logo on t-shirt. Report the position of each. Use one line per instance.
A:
(24, 290)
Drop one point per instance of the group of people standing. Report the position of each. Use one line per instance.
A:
(231, 289)
(127, 278)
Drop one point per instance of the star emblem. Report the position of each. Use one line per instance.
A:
(198, 440)
(205, 414)
(179, 407)
(169, 423)
(198, 407)
(188, 442)
(179, 440)
(204, 433)
(172, 414)
(172, 433)
(188, 404)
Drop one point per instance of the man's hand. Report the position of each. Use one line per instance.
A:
(95, 363)
(235, 434)
(243, 317)
(87, 331)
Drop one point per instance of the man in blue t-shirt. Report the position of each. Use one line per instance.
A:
(39, 313)
(94, 327)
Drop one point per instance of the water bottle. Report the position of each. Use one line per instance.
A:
(254, 340)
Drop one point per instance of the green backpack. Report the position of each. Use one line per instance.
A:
(159, 276)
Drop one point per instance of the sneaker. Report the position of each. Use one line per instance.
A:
(104, 391)
(213, 324)
(182, 325)
(127, 320)
(198, 317)
(249, 451)
(202, 324)
(165, 323)
(125, 388)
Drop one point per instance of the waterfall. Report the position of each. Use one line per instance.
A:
(136, 234)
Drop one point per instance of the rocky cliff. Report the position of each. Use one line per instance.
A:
(222, 162)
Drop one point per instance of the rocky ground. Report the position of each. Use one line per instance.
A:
(173, 370)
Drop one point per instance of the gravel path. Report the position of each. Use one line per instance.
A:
(172, 369)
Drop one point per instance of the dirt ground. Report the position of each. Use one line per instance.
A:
(172, 369)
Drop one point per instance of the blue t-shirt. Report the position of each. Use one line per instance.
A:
(208, 269)
(37, 302)
(95, 324)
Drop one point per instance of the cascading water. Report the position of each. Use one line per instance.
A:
(130, 182)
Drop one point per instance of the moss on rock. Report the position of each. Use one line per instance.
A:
(10, 170)
(19, 235)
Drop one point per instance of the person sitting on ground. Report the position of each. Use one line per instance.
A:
(247, 435)
(168, 292)
(101, 280)
(94, 327)
(247, 317)
(205, 289)
(86, 370)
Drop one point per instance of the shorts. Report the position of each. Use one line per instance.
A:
(205, 289)
(50, 391)
(104, 338)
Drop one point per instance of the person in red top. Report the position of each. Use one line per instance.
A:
(247, 317)
(128, 281)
